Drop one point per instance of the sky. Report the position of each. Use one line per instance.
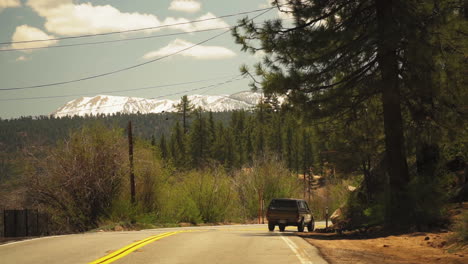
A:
(161, 74)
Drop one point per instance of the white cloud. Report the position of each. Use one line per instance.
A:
(285, 10)
(189, 6)
(197, 52)
(22, 58)
(283, 7)
(9, 3)
(265, 5)
(26, 33)
(209, 24)
(259, 54)
(65, 18)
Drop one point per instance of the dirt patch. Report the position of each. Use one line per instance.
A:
(426, 248)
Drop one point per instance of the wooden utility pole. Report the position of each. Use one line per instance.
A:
(259, 207)
(130, 156)
(309, 185)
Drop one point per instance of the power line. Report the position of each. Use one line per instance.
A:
(126, 68)
(113, 91)
(138, 29)
(236, 78)
(113, 41)
(112, 72)
(119, 40)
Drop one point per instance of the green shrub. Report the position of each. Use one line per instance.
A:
(268, 177)
(461, 229)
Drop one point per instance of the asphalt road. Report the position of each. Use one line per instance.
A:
(212, 244)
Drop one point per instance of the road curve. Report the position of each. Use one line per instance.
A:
(210, 244)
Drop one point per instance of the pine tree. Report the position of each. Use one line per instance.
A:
(184, 107)
(219, 144)
(275, 133)
(238, 126)
(336, 56)
(198, 147)
(163, 147)
(229, 150)
(178, 149)
(289, 147)
(307, 159)
(211, 136)
(249, 147)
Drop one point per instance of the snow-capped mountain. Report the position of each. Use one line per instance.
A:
(106, 104)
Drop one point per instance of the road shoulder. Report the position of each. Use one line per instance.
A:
(427, 248)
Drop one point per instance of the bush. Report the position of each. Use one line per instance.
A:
(267, 176)
(461, 229)
(211, 193)
(78, 180)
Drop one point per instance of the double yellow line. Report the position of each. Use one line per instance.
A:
(132, 247)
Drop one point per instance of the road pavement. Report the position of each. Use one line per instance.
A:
(208, 244)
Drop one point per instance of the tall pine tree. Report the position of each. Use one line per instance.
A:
(337, 55)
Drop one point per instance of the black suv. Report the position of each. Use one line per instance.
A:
(290, 212)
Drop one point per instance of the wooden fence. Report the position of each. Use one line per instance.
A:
(23, 223)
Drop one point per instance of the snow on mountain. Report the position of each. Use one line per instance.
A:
(107, 104)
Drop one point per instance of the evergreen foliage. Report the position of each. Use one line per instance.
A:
(184, 108)
(339, 57)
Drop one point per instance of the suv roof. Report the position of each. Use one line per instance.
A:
(287, 199)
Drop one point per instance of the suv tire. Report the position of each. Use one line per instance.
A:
(271, 226)
(281, 227)
(300, 227)
(311, 226)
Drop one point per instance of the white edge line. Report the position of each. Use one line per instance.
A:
(294, 249)
(27, 240)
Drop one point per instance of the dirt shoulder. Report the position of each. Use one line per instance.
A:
(415, 248)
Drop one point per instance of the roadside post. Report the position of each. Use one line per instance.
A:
(326, 217)
(259, 207)
(263, 210)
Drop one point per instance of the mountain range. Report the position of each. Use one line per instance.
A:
(107, 104)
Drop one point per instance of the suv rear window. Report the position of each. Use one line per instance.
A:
(283, 204)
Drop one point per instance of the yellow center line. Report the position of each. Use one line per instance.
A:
(132, 247)
(118, 254)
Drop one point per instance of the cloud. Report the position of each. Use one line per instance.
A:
(26, 33)
(189, 6)
(65, 18)
(284, 7)
(68, 19)
(22, 58)
(265, 5)
(285, 10)
(197, 52)
(209, 24)
(9, 3)
(259, 54)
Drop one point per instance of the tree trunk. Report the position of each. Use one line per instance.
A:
(130, 157)
(184, 118)
(397, 168)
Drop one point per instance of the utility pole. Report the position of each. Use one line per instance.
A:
(309, 184)
(130, 156)
(259, 207)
